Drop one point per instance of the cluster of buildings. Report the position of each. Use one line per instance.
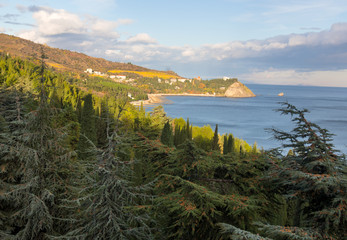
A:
(116, 78)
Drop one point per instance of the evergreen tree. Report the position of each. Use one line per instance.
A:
(215, 140)
(231, 141)
(38, 173)
(110, 203)
(166, 135)
(88, 130)
(101, 125)
(314, 176)
(225, 144)
(188, 130)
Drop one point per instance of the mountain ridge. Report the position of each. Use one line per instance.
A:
(62, 59)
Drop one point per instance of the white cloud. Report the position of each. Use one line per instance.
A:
(53, 25)
(98, 37)
(293, 77)
(141, 38)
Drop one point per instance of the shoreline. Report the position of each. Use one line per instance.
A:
(155, 98)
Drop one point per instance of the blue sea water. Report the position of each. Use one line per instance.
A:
(248, 118)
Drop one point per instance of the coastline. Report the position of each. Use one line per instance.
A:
(157, 98)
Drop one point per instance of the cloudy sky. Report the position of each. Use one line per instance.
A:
(258, 41)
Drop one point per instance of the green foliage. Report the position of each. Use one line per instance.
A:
(231, 232)
(88, 136)
(314, 174)
(36, 169)
(215, 140)
(167, 135)
(49, 192)
(110, 204)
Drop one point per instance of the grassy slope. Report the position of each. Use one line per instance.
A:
(64, 60)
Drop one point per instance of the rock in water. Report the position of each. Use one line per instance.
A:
(238, 90)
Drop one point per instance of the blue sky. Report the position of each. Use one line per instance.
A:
(257, 41)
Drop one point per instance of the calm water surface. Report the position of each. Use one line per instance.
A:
(248, 118)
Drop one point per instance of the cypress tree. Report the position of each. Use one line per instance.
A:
(88, 130)
(231, 141)
(215, 140)
(101, 125)
(225, 145)
(166, 135)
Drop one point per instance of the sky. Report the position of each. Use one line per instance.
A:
(285, 42)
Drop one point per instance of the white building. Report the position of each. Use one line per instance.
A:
(173, 80)
(159, 80)
(121, 77)
(89, 70)
(112, 76)
(130, 96)
(226, 78)
(182, 80)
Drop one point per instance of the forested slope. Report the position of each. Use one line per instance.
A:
(77, 165)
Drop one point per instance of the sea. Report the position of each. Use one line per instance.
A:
(251, 118)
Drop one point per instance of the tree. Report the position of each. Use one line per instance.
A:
(215, 140)
(166, 135)
(88, 130)
(110, 203)
(314, 176)
(231, 140)
(38, 172)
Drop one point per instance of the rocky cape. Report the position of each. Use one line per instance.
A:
(238, 90)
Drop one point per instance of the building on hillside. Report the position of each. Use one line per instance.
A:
(112, 76)
(130, 96)
(198, 78)
(226, 78)
(159, 80)
(182, 80)
(173, 80)
(89, 70)
(167, 81)
(121, 77)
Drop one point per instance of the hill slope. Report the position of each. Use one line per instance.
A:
(64, 60)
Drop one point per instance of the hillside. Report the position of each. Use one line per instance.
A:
(64, 60)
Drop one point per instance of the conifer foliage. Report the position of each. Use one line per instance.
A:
(37, 165)
(315, 176)
(215, 140)
(110, 202)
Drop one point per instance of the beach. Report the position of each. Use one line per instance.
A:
(160, 98)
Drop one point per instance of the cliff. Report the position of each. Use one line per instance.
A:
(238, 90)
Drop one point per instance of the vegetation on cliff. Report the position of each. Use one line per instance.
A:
(79, 165)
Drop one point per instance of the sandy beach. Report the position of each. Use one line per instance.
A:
(160, 98)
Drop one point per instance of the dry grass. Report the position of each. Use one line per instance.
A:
(149, 74)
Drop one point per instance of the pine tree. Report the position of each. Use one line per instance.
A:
(215, 140)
